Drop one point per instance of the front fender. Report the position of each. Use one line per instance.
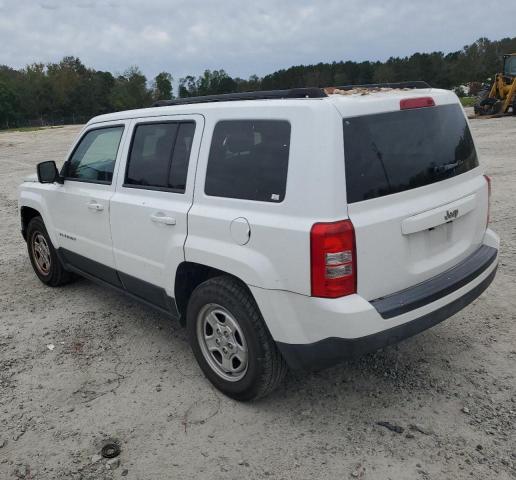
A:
(32, 195)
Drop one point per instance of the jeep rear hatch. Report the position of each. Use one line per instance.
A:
(414, 198)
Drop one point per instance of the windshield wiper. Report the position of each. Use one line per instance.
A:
(380, 157)
(445, 167)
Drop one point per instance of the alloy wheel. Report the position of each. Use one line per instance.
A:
(222, 342)
(41, 253)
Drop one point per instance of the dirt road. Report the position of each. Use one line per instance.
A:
(121, 371)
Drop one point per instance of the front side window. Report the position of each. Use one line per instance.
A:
(94, 158)
(249, 160)
(159, 156)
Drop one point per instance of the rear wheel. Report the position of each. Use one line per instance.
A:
(43, 255)
(231, 342)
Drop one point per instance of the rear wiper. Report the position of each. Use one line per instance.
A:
(445, 167)
(380, 157)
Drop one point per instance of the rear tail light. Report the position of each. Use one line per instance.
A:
(333, 259)
(488, 180)
(419, 102)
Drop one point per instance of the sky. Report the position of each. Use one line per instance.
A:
(240, 36)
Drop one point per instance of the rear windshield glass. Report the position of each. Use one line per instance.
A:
(396, 151)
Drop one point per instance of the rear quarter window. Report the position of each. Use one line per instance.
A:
(396, 151)
(249, 160)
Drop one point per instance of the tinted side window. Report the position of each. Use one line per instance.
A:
(249, 160)
(159, 155)
(181, 156)
(94, 158)
(150, 154)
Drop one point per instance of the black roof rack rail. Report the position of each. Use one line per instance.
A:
(229, 97)
(310, 92)
(414, 84)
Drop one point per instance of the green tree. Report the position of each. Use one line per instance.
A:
(36, 92)
(102, 84)
(71, 87)
(7, 105)
(68, 88)
(162, 86)
(209, 83)
(130, 90)
(187, 86)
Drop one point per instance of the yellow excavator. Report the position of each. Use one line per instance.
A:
(499, 97)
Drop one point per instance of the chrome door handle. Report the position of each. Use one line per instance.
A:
(95, 206)
(162, 218)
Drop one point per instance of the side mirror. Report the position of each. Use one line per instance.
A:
(47, 172)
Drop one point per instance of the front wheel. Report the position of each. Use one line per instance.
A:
(43, 255)
(231, 342)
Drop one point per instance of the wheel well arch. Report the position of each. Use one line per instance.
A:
(189, 275)
(27, 214)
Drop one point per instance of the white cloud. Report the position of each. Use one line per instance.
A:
(187, 36)
(155, 36)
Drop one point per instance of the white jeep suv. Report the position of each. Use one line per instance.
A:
(285, 228)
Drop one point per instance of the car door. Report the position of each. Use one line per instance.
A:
(150, 206)
(80, 207)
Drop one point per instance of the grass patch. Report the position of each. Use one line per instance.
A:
(467, 101)
(27, 129)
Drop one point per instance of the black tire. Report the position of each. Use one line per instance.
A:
(482, 96)
(265, 368)
(490, 106)
(494, 106)
(52, 274)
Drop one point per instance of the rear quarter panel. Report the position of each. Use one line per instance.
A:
(277, 255)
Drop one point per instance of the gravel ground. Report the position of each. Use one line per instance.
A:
(120, 371)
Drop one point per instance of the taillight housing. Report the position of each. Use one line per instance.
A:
(488, 180)
(419, 102)
(333, 259)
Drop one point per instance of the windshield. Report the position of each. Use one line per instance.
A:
(392, 152)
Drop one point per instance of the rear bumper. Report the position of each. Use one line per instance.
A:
(315, 333)
(330, 351)
(437, 287)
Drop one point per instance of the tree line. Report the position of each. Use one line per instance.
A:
(70, 92)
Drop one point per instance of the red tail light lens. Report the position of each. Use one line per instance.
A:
(488, 180)
(333, 259)
(419, 102)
